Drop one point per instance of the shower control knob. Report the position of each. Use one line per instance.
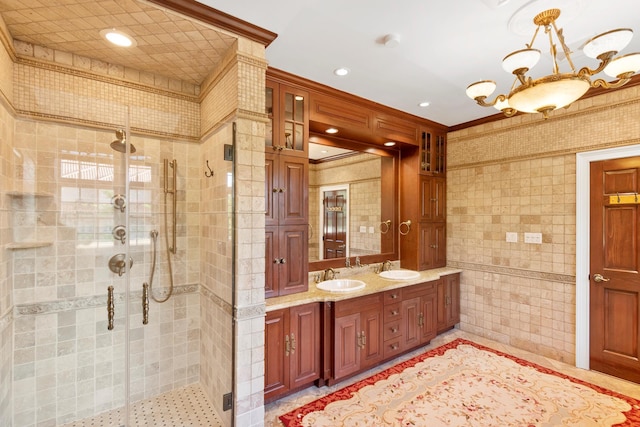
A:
(119, 233)
(119, 202)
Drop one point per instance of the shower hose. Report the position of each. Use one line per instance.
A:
(154, 238)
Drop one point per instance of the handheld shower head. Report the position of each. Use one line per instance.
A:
(120, 143)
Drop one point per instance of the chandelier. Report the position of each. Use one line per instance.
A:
(559, 89)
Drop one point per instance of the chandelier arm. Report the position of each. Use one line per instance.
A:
(622, 80)
(481, 100)
(604, 58)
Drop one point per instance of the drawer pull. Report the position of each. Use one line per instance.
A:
(394, 330)
(394, 346)
(287, 345)
(394, 312)
(394, 296)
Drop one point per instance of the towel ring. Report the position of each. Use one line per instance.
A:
(384, 226)
(406, 223)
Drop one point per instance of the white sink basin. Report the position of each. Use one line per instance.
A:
(341, 285)
(400, 274)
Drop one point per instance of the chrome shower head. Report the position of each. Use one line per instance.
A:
(120, 144)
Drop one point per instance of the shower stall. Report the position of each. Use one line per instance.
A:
(120, 256)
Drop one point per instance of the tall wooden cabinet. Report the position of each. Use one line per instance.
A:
(423, 241)
(286, 190)
(448, 302)
(292, 349)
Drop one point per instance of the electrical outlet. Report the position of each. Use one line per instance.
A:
(533, 238)
(512, 237)
(363, 228)
(371, 230)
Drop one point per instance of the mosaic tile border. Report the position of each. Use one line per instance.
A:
(59, 68)
(539, 275)
(215, 299)
(91, 302)
(250, 312)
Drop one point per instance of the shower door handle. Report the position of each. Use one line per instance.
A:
(110, 308)
(145, 303)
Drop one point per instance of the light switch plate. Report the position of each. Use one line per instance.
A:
(512, 237)
(363, 228)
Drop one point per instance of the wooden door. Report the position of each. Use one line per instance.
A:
(276, 376)
(271, 262)
(304, 334)
(334, 234)
(347, 345)
(271, 196)
(614, 266)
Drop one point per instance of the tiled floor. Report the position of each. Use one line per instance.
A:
(187, 406)
(286, 404)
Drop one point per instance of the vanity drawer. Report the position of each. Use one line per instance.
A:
(392, 313)
(393, 296)
(392, 347)
(392, 330)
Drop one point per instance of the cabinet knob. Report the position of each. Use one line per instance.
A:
(275, 190)
(394, 296)
(394, 346)
(394, 312)
(394, 330)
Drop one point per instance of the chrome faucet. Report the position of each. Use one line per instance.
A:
(329, 274)
(358, 262)
(386, 266)
(347, 262)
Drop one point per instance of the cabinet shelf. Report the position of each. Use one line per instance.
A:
(27, 245)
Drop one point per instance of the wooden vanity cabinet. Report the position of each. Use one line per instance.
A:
(423, 243)
(292, 349)
(448, 302)
(357, 334)
(286, 190)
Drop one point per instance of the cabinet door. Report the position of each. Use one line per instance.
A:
(293, 199)
(276, 377)
(293, 132)
(293, 257)
(304, 335)
(372, 337)
(347, 343)
(432, 247)
(271, 262)
(432, 153)
(271, 190)
(428, 321)
(272, 109)
(451, 301)
(411, 334)
(433, 198)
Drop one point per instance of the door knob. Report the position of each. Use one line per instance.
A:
(599, 278)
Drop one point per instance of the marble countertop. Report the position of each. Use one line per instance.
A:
(374, 282)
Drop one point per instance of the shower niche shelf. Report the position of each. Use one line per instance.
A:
(28, 244)
(27, 194)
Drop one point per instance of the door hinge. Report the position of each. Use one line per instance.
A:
(228, 152)
(227, 401)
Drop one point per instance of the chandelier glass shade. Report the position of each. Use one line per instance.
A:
(558, 89)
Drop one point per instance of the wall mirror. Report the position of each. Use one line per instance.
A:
(352, 202)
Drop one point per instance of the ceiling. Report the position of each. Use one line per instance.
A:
(443, 46)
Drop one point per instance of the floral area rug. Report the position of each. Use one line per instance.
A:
(466, 384)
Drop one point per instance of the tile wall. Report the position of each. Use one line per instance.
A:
(519, 175)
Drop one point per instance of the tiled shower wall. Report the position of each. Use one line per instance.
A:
(362, 175)
(519, 175)
(66, 364)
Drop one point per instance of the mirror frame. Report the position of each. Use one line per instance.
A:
(390, 184)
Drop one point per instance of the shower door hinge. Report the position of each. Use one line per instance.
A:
(227, 401)
(228, 152)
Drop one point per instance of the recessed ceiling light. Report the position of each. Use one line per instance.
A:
(341, 71)
(119, 38)
(331, 130)
(389, 143)
(391, 40)
(324, 151)
(424, 104)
